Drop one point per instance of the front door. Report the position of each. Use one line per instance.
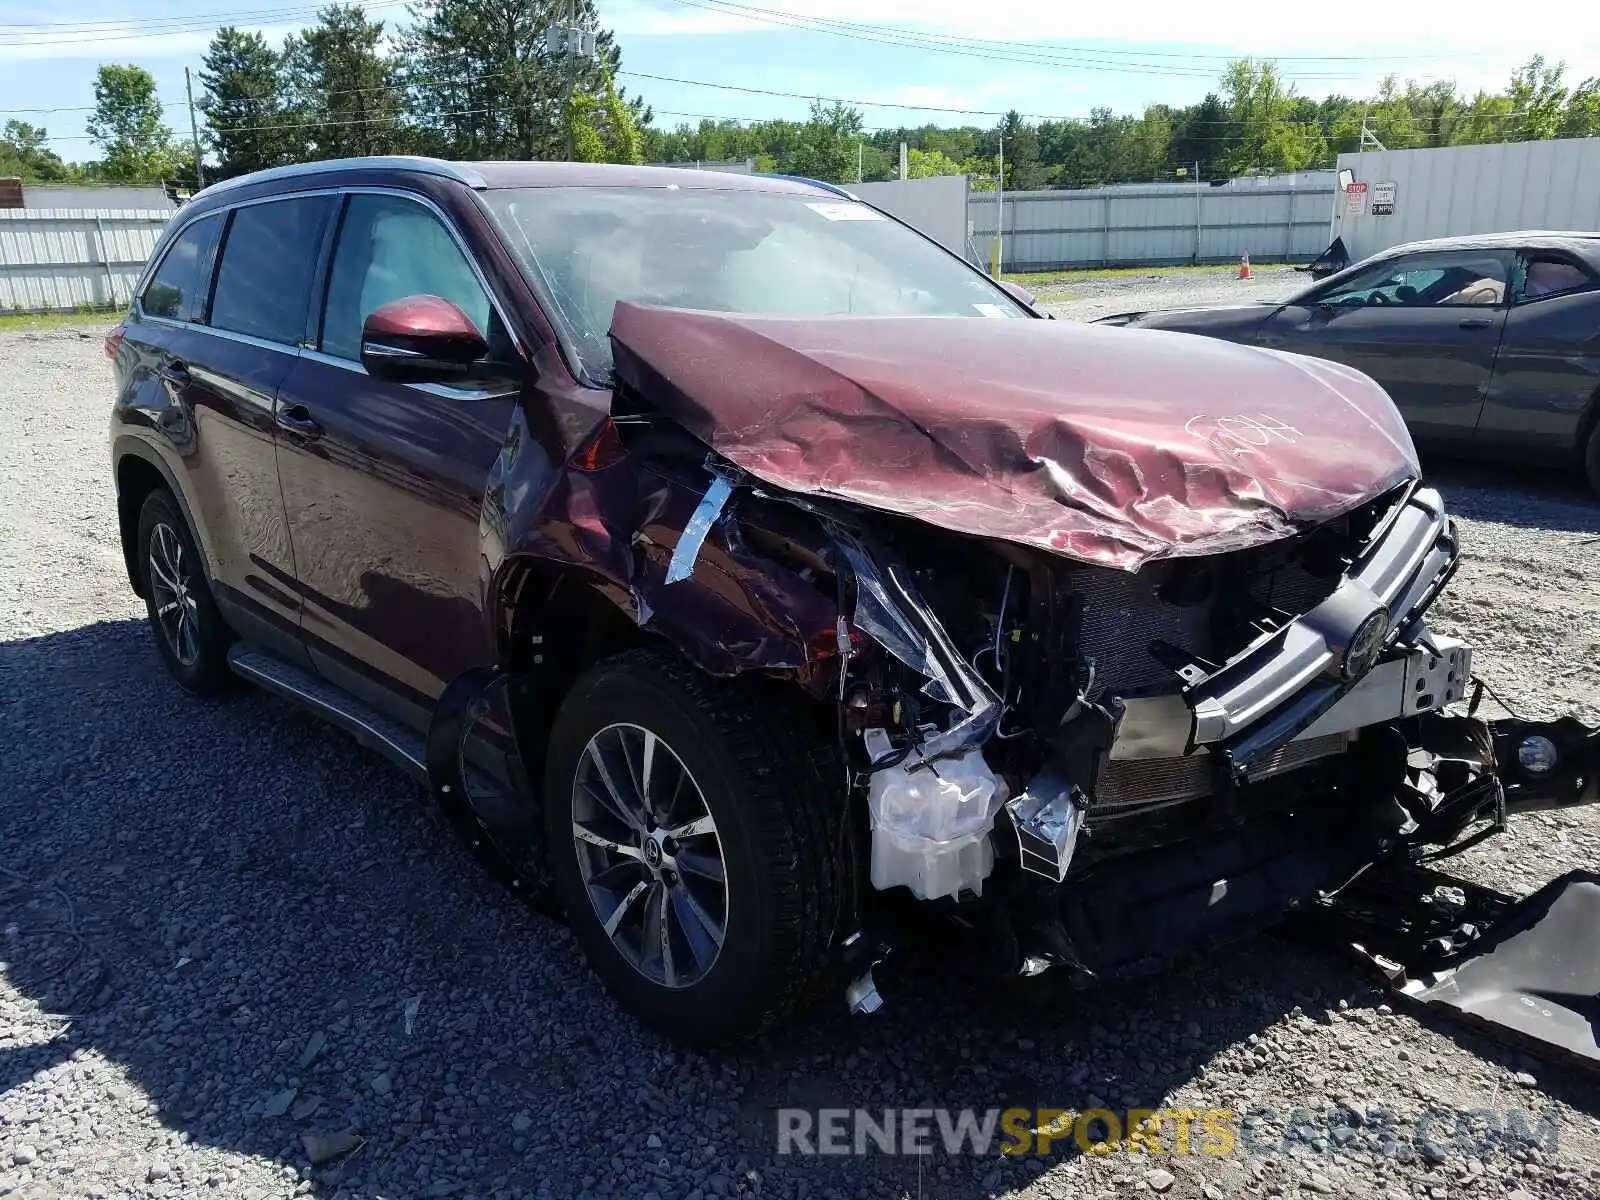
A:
(1426, 326)
(383, 482)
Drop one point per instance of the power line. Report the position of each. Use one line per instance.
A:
(973, 48)
(125, 31)
(1057, 47)
(218, 19)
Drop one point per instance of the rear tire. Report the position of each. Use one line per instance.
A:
(1591, 459)
(190, 634)
(734, 774)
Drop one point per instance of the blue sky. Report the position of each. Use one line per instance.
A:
(1043, 57)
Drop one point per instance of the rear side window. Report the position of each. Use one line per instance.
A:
(177, 289)
(1549, 275)
(268, 259)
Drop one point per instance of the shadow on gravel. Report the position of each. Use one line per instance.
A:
(1527, 497)
(238, 908)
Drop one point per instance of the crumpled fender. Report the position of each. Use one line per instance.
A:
(613, 523)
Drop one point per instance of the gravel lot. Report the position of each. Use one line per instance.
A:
(232, 939)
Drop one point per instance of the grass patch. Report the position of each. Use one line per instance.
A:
(30, 322)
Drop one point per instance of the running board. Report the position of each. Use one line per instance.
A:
(403, 746)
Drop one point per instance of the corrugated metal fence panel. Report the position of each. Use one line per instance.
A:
(1159, 225)
(72, 257)
(1474, 189)
(936, 206)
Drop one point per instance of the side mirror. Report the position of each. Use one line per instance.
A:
(420, 339)
(1018, 292)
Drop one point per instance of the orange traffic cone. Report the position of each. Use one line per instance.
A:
(1244, 266)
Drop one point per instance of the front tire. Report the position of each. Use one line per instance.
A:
(190, 634)
(689, 842)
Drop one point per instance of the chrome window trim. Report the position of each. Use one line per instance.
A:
(313, 352)
(443, 390)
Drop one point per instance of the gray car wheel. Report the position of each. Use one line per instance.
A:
(693, 844)
(189, 631)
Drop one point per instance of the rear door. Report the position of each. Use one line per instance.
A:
(223, 364)
(1549, 365)
(1426, 326)
(384, 482)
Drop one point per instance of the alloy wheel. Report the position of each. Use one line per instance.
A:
(172, 594)
(649, 855)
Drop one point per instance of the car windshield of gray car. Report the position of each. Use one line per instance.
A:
(747, 252)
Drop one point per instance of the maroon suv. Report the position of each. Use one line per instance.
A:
(743, 572)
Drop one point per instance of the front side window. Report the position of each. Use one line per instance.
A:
(269, 257)
(177, 288)
(1443, 279)
(390, 248)
(747, 252)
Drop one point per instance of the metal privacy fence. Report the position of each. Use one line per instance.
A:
(1159, 225)
(67, 258)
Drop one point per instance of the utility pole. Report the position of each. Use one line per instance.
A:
(194, 131)
(860, 150)
(571, 66)
(997, 257)
(1197, 214)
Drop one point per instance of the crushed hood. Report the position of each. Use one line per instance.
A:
(1110, 446)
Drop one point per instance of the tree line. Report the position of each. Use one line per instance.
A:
(481, 79)
(1253, 123)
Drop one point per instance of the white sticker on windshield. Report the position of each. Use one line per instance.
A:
(844, 211)
(990, 310)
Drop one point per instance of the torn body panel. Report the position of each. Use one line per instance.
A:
(1105, 447)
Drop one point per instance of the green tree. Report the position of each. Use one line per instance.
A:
(25, 154)
(603, 128)
(347, 94)
(1264, 135)
(1537, 101)
(1488, 118)
(487, 85)
(1024, 171)
(127, 124)
(1199, 135)
(920, 164)
(1582, 115)
(244, 104)
(827, 145)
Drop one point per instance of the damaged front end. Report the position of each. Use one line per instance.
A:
(1106, 690)
(1101, 772)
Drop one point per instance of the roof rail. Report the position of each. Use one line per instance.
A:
(392, 162)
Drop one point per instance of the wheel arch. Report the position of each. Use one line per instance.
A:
(139, 470)
(551, 623)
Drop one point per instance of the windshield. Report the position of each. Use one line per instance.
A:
(747, 252)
